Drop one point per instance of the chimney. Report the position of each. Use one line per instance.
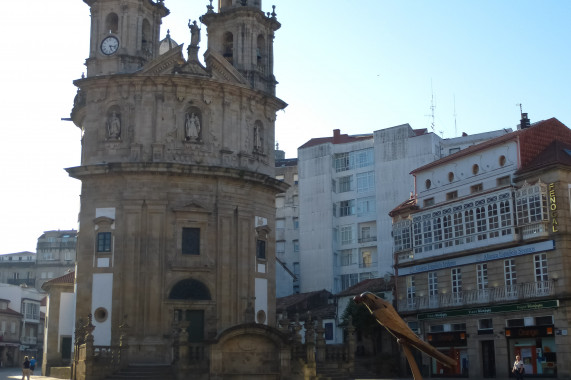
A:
(336, 135)
(525, 123)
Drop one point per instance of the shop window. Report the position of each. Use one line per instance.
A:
(518, 322)
(544, 321)
(485, 324)
(436, 328)
(458, 327)
(190, 241)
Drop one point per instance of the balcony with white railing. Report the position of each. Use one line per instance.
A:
(523, 291)
(29, 340)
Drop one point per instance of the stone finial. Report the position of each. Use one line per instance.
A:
(274, 14)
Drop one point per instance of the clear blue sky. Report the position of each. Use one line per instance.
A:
(358, 66)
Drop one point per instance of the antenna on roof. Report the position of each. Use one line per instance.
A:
(455, 126)
(520, 109)
(432, 107)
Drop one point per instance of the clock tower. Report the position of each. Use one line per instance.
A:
(178, 191)
(124, 35)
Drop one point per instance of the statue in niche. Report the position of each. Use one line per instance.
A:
(192, 127)
(194, 33)
(258, 138)
(114, 126)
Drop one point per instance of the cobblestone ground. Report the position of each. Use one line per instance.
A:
(16, 373)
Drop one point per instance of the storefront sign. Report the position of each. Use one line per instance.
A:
(549, 304)
(481, 257)
(529, 332)
(553, 208)
(447, 339)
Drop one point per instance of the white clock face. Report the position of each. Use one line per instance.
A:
(109, 45)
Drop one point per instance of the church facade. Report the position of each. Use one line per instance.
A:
(178, 191)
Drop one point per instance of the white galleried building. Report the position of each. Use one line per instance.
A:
(347, 186)
(482, 254)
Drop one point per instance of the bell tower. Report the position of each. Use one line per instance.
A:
(124, 35)
(244, 36)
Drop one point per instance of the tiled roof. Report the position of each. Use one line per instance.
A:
(532, 141)
(556, 153)
(408, 204)
(68, 278)
(283, 303)
(337, 138)
(371, 285)
(9, 311)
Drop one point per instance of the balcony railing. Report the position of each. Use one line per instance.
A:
(539, 229)
(367, 239)
(481, 296)
(29, 340)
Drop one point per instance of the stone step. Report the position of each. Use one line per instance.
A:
(144, 372)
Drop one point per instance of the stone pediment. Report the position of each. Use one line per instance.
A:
(192, 207)
(222, 70)
(166, 63)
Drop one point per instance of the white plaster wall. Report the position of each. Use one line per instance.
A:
(102, 296)
(262, 297)
(66, 314)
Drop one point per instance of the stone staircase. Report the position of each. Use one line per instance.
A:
(144, 372)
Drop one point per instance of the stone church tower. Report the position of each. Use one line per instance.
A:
(178, 188)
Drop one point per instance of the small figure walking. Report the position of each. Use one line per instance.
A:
(32, 364)
(518, 369)
(26, 368)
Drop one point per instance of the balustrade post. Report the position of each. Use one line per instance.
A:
(320, 341)
(89, 349)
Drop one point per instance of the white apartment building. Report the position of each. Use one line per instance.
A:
(347, 186)
(482, 254)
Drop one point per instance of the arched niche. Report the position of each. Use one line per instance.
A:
(111, 23)
(190, 289)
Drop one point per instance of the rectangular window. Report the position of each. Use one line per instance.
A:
(341, 162)
(481, 224)
(437, 232)
(347, 257)
(531, 204)
(366, 259)
(427, 234)
(296, 245)
(345, 184)
(346, 235)
(190, 241)
(485, 324)
(417, 233)
(365, 182)
(432, 284)
(469, 225)
(296, 268)
(347, 208)
(456, 277)
(261, 249)
(401, 235)
(510, 278)
(428, 202)
(365, 205)
(348, 280)
(476, 188)
(453, 150)
(505, 218)
(482, 276)
(280, 224)
(458, 228)
(541, 277)
(328, 326)
(295, 223)
(410, 291)
(447, 228)
(280, 247)
(503, 181)
(493, 220)
(295, 179)
(104, 242)
(451, 195)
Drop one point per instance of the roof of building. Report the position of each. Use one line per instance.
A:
(372, 285)
(317, 303)
(557, 152)
(9, 311)
(286, 162)
(337, 138)
(409, 204)
(68, 278)
(59, 233)
(532, 141)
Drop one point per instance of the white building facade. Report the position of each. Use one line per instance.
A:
(347, 186)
